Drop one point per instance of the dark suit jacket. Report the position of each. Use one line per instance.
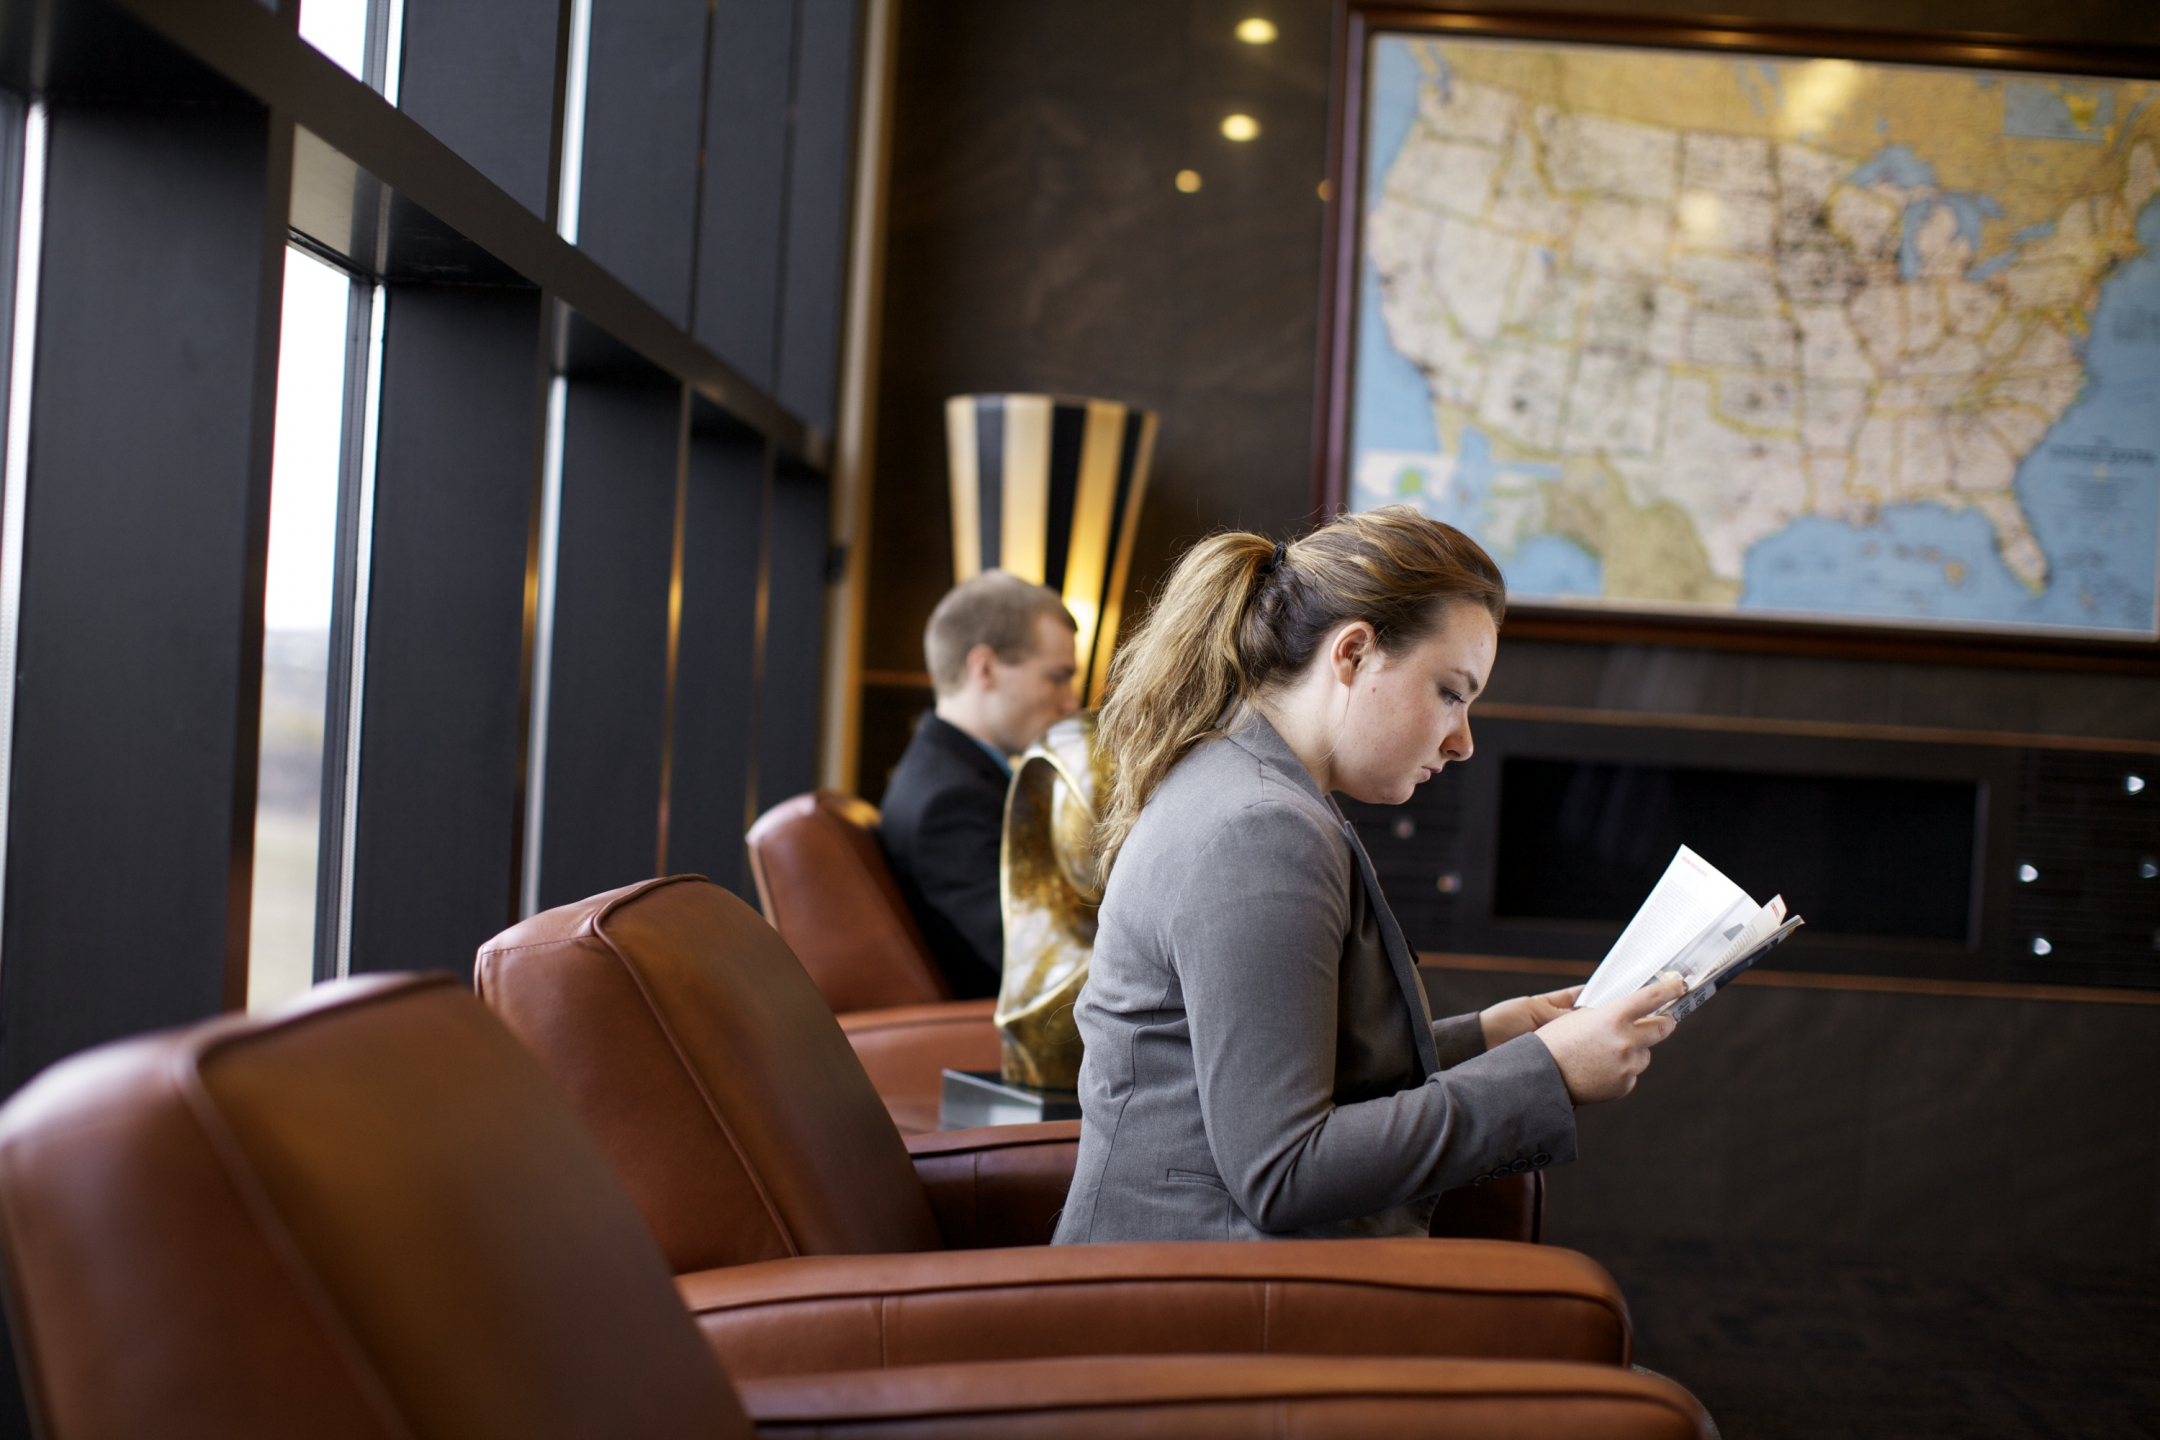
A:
(943, 821)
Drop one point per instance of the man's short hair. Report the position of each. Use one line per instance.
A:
(995, 608)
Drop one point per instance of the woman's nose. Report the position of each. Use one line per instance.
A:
(1457, 746)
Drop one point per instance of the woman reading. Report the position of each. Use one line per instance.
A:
(1260, 1057)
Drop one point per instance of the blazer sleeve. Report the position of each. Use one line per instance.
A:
(957, 848)
(1257, 939)
(1457, 1039)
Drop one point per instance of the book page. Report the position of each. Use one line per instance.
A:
(1690, 905)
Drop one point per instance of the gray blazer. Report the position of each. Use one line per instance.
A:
(1260, 1057)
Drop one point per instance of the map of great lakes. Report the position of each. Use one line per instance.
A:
(1670, 330)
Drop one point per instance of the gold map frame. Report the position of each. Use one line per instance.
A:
(1884, 637)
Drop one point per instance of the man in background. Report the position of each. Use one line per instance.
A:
(1000, 653)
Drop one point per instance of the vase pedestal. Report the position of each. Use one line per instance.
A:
(980, 1097)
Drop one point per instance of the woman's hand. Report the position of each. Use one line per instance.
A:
(1510, 1018)
(1600, 1051)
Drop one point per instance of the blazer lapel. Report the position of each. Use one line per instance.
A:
(1399, 956)
(1250, 729)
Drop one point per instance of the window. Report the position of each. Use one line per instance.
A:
(296, 626)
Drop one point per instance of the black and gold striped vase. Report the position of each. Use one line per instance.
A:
(1048, 488)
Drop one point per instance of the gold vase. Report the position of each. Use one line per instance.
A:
(1048, 893)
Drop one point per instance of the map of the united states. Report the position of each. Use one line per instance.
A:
(1665, 308)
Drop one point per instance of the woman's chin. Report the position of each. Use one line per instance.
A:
(1388, 793)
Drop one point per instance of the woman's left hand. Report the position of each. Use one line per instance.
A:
(1520, 1016)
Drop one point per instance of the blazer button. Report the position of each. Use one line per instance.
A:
(1519, 1166)
(1480, 1180)
(1541, 1158)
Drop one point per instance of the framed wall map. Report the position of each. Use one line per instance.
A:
(1705, 331)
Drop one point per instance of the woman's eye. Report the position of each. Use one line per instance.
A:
(1451, 697)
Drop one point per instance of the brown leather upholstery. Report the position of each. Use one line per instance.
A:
(1510, 1208)
(1461, 1298)
(825, 886)
(999, 1185)
(907, 1049)
(372, 1216)
(1244, 1396)
(713, 1074)
(716, 1078)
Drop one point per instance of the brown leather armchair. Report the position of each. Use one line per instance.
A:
(371, 1217)
(824, 885)
(715, 1079)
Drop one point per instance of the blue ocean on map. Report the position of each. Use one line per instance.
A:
(2090, 490)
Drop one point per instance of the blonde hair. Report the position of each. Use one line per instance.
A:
(995, 608)
(1240, 614)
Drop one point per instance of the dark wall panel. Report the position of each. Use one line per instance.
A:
(744, 206)
(816, 280)
(715, 671)
(1037, 242)
(1914, 1126)
(435, 872)
(794, 642)
(608, 690)
(134, 580)
(480, 74)
(638, 210)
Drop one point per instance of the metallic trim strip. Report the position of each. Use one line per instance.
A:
(15, 487)
(854, 463)
(356, 682)
(543, 661)
(393, 50)
(571, 189)
(674, 630)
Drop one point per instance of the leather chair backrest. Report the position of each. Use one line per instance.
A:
(826, 887)
(367, 1216)
(714, 1075)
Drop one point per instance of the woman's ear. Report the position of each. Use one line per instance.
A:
(1354, 645)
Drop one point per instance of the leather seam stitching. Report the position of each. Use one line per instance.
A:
(184, 1073)
(597, 925)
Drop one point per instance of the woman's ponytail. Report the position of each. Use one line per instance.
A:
(1240, 613)
(1175, 675)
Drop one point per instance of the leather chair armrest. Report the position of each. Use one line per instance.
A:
(1233, 1397)
(1511, 1208)
(997, 1184)
(1453, 1298)
(905, 1049)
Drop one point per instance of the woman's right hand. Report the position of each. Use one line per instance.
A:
(1600, 1051)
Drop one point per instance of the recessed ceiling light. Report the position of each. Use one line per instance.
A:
(1188, 181)
(2040, 946)
(2131, 783)
(2027, 874)
(1256, 31)
(1240, 127)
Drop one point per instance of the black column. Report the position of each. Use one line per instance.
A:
(794, 642)
(148, 501)
(639, 186)
(743, 215)
(819, 175)
(435, 869)
(480, 75)
(716, 661)
(607, 693)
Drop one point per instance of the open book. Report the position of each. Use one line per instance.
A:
(1696, 925)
